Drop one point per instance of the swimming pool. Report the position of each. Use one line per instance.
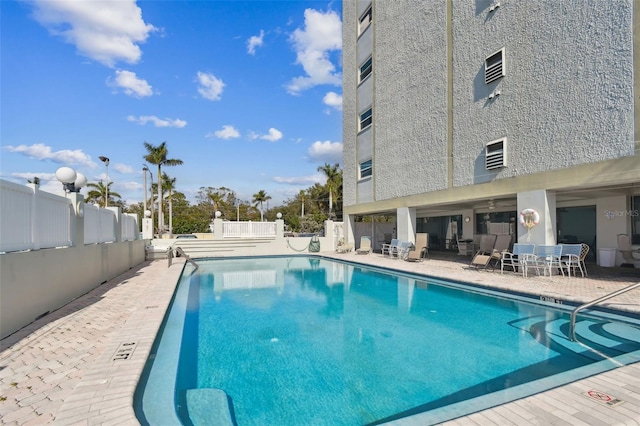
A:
(307, 340)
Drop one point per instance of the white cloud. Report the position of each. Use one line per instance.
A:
(321, 35)
(326, 152)
(301, 180)
(131, 84)
(227, 132)
(210, 87)
(41, 151)
(253, 42)
(158, 122)
(123, 168)
(333, 100)
(106, 31)
(273, 135)
(30, 175)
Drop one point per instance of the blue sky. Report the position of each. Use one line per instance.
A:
(247, 93)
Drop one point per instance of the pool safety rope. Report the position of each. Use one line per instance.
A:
(295, 249)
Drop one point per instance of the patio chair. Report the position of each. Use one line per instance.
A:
(365, 245)
(547, 257)
(516, 258)
(403, 249)
(420, 250)
(583, 255)
(391, 249)
(571, 258)
(629, 255)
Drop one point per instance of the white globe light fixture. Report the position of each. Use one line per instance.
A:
(218, 214)
(279, 215)
(147, 213)
(67, 176)
(80, 182)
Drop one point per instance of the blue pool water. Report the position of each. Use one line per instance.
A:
(311, 341)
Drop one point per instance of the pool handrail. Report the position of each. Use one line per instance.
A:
(572, 329)
(181, 252)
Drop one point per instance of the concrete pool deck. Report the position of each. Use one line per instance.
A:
(80, 364)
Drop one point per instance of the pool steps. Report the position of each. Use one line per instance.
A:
(209, 406)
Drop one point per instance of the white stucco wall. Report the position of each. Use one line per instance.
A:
(567, 97)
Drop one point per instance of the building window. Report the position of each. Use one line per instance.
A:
(366, 118)
(365, 69)
(494, 68)
(366, 168)
(365, 20)
(496, 154)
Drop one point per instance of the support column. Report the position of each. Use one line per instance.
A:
(543, 202)
(77, 225)
(349, 224)
(406, 224)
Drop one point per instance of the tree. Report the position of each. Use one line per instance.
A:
(158, 155)
(99, 193)
(259, 198)
(169, 184)
(334, 181)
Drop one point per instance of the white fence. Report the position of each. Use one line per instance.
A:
(31, 219)
(249, 229)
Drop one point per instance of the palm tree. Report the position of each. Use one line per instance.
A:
(333, 181)
(158, 155)
(99, 194)
(261, 197)
(169, 185)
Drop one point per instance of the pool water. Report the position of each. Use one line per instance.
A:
(312, 341)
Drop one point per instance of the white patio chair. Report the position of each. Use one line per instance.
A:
(391, 249)
(547, 257)
(516, 257)
(571, 258)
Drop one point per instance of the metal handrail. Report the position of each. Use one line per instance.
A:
(572, 332)
(182, 253)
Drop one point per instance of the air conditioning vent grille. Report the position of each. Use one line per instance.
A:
(494, 67)
(496, 154)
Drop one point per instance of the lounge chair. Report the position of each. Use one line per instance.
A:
(391, 249)
(483, 255)
(343, 247)
(517, 257)
(420, 250)
(629, 256)
(501, 246)
(365, 245)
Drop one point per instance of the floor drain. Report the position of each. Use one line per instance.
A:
(124, 351)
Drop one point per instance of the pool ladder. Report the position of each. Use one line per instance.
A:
(181, 252)
(572, 330)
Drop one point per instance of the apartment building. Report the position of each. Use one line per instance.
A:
(460, 115)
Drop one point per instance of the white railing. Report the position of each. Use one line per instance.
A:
(248, 229)
(129, 227)
(99, 225)
(32, 219)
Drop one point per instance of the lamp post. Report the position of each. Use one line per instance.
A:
(105, 160)
(145, 169)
